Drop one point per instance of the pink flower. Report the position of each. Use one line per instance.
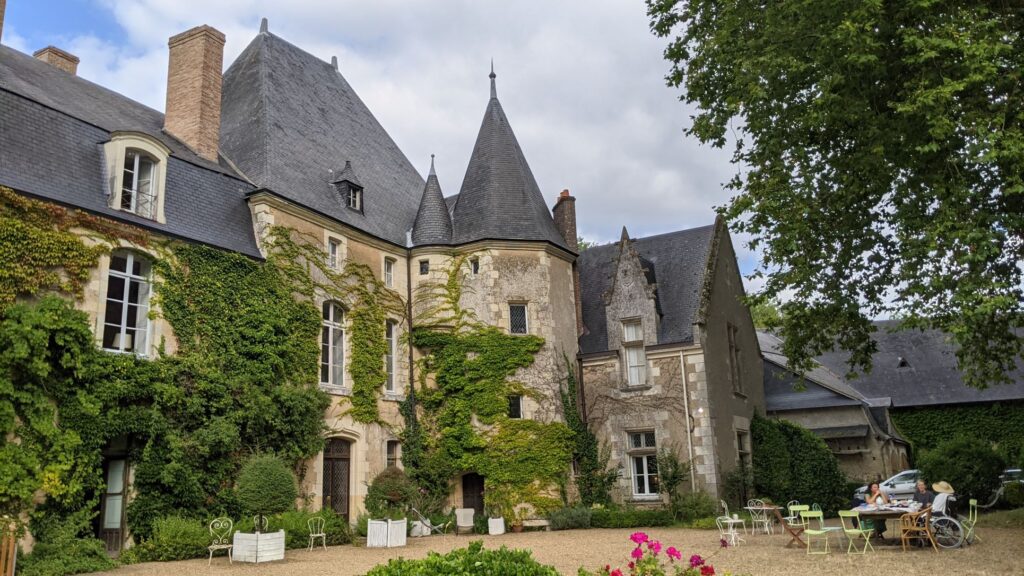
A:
(616, 572)
(696, 560)
(638, 537)
(637, 553)
(654, 546)
(707, 571)
(673, 553)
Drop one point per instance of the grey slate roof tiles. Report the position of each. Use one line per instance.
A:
(822, 387)
(433, 222)
(499, 198)
(289, 119)
(677, 260)
(52, 127)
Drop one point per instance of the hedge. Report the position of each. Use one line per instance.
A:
(629, 518)
(470, 560)
(999, 423)
(791, 463)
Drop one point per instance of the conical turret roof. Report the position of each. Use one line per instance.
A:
(433, 223)
(499, 198)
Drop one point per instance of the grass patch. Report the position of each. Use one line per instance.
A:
(1003, 519)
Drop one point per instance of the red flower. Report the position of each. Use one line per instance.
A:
(707, 571)
(696, 560)
(724, 543)
(616, 572)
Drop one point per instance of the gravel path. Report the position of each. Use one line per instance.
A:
(1001, 552)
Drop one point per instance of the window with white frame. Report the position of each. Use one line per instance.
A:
(355, 198)
(515, 407)
(391, 339)
(138, 188)
(393, 452)
(334, 253)
(389, 272)
(126, 316)
(332, 345)
(636, 358)
(517, 322)
(644, 458)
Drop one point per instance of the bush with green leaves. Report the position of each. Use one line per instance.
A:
(266, 486)
(473, 559)
(738, 486)
(791, 463)
(969, 464)
(672, 473)
(630, 518)
(570, 518)
(59, 558)
(696, 506)
(390, 494)
(173, 538)
(1013, 495)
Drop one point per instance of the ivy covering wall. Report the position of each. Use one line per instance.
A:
(999, 423)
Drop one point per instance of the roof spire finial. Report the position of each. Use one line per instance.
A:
(264, 26)
(432, 173)
(334, 62)
(492, 76)
(625, 235)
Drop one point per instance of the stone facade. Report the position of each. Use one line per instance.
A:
(56, 57)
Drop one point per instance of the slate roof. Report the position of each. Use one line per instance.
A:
(822, 388)
(499, 198)
(679, 260)
(433, 222)
(290, 121)
(931, 376)
(52, 127)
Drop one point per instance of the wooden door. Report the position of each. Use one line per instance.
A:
(473, 492)
(337, 471)
(112, 505)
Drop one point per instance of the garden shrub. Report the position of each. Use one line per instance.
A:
(295, 524)
(362, 525)
(672, 473)
(570, 518)
(390, 494)
(172, 538)
(969, 464)
(738, 487)
(999, 423)
(695, 506)
(473, 559)
(62, 557)
(791, 463)
(266, 486)
(1013, 495)
(630, 518)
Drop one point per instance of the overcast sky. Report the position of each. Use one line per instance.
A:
(582, 83)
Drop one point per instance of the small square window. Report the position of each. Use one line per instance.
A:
(517, 323)
(389, 272)
(424, 267)
(515, 407)
(474, 265)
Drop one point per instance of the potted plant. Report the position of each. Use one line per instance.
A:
(498, 503)
(388, 499)
(266, 486)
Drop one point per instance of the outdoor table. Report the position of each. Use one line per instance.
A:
(868, 512)
(794, 531)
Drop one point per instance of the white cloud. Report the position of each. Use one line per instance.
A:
(582, 84)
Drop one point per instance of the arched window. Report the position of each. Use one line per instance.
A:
(138, 187)
(332, 345)
(126, 317)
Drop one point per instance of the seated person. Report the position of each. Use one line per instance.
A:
(923, 495)
(942, 493)
(877, 497)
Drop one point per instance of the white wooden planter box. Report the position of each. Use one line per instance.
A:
(418, 529)
(495, 526)
(386, 533)
(258, 547)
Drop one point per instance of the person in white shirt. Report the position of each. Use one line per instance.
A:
(943, 490)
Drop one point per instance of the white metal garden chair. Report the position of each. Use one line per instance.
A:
(316, 530)
(464, 520)
(759, 517)
(727, 531)
(732, 522)
(221, 530)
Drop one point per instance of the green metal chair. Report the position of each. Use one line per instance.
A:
(969, 522)
(851, 521)
(794, 520)
(807, 516)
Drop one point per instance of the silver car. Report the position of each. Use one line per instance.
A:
(899, 487)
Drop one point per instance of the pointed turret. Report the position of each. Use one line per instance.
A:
(433, 223)
(499, 198)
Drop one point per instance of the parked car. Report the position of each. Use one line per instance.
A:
(899, 487)
(1011, 475)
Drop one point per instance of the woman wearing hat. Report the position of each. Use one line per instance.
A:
(942, 493)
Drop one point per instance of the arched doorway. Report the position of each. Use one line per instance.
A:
(337, 472)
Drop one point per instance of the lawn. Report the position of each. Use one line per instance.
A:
(999, 552)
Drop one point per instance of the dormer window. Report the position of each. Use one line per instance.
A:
(355, 198)
(349, 187)
(136, 170)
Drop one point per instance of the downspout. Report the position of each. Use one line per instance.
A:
(408, 312)
(689, 423)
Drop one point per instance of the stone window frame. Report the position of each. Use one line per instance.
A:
(341, 256)
(334, 249)
(395, 460)
(131, 254)
(744, 454)
(474, 265)
(115, 152)
(644, 454)
(636, 346)
(424, 266)
(331, 325)
(526, 316)
(388, 271)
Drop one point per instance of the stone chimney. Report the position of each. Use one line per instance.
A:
(58, 58)
(564, 213)
(3, 8)
(194, 75)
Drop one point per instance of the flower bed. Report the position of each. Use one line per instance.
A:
(646, 559)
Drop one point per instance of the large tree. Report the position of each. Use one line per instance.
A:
(880, 147)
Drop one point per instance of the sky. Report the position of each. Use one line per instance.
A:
(582, 83)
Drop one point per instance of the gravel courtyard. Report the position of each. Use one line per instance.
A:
(1001, 552)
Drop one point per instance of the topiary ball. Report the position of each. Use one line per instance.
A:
(266, 486)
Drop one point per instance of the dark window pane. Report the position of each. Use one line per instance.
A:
(140, 266)
(110, 337)
(649, 439)
(424, 267)
(327, 310)
(119, 262)
(515, 406)
(323, 371)
(113, 313)
(517, 318)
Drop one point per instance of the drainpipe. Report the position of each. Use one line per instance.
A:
(689, 423)
(408, 311)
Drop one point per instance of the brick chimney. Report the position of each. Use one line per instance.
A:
(194, 76)
(564, 213)
(58, 58)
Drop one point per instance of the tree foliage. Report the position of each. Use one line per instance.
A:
(970, 465)
(882, 155)
(1001, 424)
